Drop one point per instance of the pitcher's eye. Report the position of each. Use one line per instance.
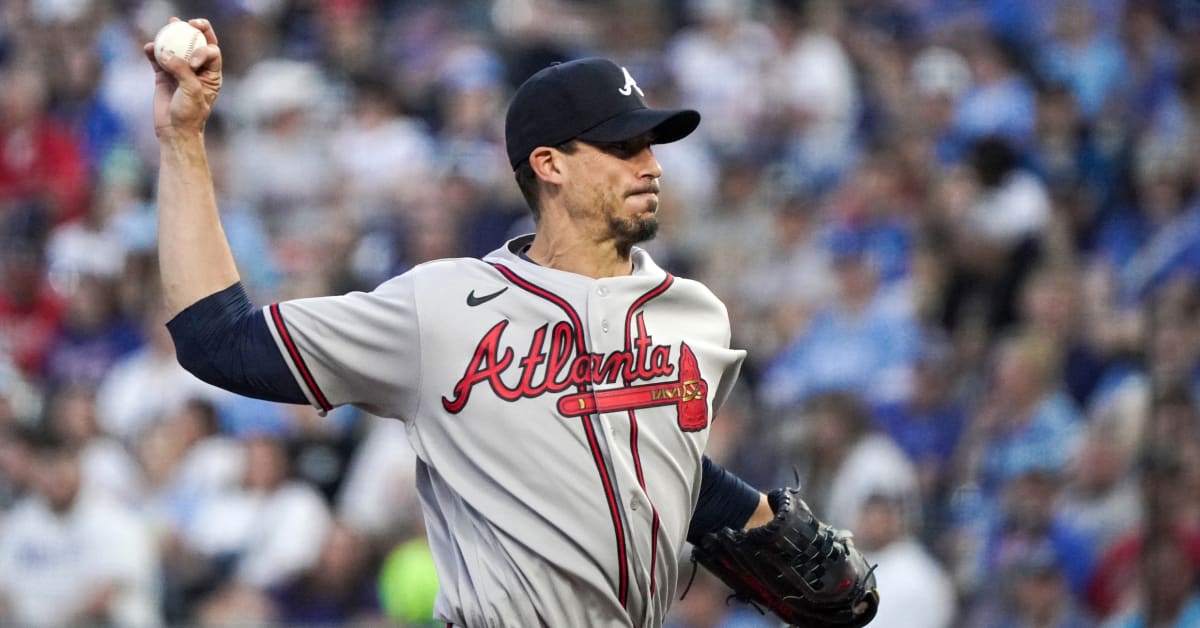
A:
(625, 149)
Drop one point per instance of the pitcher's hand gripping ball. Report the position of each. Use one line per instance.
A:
(806, 572)
(181, 38)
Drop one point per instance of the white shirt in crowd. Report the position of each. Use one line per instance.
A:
(1018, 208)
(108, 468)
(143, 388)
(51, 565)
(274, 536)
(919, 593)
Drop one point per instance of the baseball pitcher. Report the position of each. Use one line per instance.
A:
(558, 392)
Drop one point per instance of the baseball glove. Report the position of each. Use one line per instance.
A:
(806, 572)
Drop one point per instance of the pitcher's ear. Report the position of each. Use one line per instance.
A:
(547, 164)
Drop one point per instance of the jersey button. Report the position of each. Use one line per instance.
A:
(604, 326)
(602, 291)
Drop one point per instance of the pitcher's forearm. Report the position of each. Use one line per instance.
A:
(193, 252)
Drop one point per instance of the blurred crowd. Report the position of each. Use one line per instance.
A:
(960, 239)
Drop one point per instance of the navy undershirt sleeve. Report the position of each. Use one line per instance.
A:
(725, 500)
(225, 341)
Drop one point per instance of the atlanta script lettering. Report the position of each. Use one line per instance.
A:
(563, 369)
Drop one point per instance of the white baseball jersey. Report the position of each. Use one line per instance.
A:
(558, 421)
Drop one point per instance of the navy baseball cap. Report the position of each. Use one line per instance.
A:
(590, 99)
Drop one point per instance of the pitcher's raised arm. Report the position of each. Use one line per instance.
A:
(194, 256)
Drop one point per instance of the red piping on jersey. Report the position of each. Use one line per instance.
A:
(637, 463)
(298, 360)
(633, 425)
(589, 430)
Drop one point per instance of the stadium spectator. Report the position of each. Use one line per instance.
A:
(996, 241)
(718, 65)
(1023, 420)
(68, 556)
(1000, 100)
(105, 464)
(1171, 521)
(41, 162)
(923, 594)
(188, 465)
(1034, 592)
(843, 461)
(30, 309)
(813, 91)
(146, 386)
(794, 278)
(267, 530)
(75, 102)
(339, 589)
(94, 335)
(1101, 499)
(929, 422)
(1080, 55)
(1173, 603)
(865, 341)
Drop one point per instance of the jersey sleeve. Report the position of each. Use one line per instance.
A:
(361, 348)
(730, 374)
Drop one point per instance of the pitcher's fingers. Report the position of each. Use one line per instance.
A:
(149, 50)
(178, 68)
(205, 27)
(207, 57)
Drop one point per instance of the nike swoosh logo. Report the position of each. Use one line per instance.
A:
(473, 300)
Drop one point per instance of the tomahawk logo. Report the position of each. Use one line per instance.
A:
(551, 365)
(630, 85)
(688, 393)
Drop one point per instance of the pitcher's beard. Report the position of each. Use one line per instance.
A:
(630, 231)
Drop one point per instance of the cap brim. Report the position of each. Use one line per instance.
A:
(668, 125)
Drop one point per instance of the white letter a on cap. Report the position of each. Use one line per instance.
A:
(630, 85)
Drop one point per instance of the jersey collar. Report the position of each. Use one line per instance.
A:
(514, 250)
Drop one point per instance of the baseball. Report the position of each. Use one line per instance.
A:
(180, 38)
